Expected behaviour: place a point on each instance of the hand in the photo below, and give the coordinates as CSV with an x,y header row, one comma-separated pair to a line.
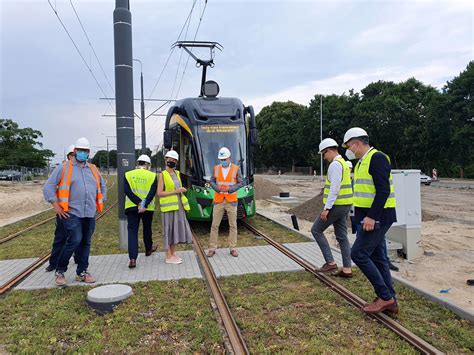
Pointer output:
x,y
141,209
223,189
59,211
368,224
324,215
180,190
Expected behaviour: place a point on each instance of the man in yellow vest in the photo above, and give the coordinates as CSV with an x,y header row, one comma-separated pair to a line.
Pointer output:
x,y
227,179
140,189
337,199
374,202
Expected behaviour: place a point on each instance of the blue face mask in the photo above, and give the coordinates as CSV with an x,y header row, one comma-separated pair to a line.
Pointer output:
x,y
225,163
82,156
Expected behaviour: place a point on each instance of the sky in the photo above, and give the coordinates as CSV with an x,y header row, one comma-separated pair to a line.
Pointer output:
x,y
273,51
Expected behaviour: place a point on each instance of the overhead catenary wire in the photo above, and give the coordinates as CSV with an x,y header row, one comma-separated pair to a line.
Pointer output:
x,y
78,51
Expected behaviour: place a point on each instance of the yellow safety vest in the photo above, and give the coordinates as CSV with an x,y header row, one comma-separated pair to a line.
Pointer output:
x,y
170,203
364,188
344,197
140,181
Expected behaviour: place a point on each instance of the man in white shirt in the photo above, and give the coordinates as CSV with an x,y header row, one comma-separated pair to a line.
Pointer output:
x,y
337,199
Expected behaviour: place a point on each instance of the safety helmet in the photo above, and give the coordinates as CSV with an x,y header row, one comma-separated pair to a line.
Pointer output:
x,y
349,164
70,149
354,132
172,154
327,143
224,153
82,143
144,158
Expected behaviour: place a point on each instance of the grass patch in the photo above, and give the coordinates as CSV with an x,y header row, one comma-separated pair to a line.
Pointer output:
x,y
306,315
172,316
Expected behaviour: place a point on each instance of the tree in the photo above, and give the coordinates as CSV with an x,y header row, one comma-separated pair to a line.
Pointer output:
x,y
277,125
21,146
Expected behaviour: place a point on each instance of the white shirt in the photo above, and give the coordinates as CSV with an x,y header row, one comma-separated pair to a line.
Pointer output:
x,y
225,171
335,178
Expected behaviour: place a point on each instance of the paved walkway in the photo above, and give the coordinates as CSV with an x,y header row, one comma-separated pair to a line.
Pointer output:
x,y
114,268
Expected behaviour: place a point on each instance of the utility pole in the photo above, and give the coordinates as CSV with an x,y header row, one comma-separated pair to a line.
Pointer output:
x,y
321,130
122,18
108,157
142,106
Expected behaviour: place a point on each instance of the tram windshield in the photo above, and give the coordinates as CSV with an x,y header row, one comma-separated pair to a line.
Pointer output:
x,y
214,137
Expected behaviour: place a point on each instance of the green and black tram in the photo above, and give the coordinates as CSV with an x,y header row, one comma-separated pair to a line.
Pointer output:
x,y
197,128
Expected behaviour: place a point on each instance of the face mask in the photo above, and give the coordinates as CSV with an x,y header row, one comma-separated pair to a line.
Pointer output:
x,y
350,154
171,164
225,163
82,156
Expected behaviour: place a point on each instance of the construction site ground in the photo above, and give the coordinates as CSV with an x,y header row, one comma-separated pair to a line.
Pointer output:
x,y
447,228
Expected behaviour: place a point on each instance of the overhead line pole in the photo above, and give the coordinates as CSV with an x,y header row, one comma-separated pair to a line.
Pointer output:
x,y
321,129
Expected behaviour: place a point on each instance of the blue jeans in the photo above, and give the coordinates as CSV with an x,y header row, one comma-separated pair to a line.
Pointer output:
x,y
79,235
369,253
59,241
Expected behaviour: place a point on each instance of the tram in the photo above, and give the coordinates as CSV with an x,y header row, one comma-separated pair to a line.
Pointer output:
x,y
197,128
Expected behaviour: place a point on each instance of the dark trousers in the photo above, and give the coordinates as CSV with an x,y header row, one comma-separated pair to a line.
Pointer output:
x,y
133,221
59,242
79,235
369,252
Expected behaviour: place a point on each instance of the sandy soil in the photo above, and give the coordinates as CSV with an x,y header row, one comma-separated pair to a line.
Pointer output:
x,y
20,200
447,237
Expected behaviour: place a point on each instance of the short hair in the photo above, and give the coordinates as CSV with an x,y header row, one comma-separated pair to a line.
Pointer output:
x,y
363,139
140,162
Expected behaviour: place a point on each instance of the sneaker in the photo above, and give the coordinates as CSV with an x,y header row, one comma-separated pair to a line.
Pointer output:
x,y
173,260
211,253
85,277
234,253
132,263
49,268
60,278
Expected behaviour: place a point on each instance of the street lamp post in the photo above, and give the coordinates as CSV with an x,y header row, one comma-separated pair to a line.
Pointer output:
x,y
142,107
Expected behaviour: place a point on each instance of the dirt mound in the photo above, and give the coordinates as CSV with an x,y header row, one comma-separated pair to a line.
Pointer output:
x,y
265,188
310,209
425,216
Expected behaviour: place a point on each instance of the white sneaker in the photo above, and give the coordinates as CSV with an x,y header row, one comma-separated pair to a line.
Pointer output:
x,y
175,261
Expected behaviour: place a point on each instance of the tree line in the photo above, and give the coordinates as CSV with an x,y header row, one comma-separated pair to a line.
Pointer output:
x,y
417,125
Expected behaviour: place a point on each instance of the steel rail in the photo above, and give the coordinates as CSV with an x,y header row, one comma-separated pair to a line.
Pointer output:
x,y
236,340
29,269
413,339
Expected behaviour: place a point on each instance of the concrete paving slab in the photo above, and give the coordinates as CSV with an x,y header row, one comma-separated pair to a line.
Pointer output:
x,y
11,268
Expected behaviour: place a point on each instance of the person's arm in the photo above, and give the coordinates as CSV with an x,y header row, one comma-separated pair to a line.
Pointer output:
x,y
161,188
380,170
213,183
49,191
335,177
239,184
151,193
128,191
103,188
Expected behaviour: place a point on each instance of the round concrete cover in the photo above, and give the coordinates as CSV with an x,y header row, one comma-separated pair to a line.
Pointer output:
x,y
109,293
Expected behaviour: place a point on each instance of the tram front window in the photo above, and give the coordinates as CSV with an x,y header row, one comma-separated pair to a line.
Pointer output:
x,y
214,137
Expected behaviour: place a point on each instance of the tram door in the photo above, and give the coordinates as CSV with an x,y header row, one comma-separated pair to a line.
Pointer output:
x,y
186,161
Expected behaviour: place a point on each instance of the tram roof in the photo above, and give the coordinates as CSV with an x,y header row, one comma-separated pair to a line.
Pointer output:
x,y
208,108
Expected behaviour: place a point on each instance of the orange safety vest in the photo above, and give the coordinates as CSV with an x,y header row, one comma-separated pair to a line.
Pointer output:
x,y
231,179
62,191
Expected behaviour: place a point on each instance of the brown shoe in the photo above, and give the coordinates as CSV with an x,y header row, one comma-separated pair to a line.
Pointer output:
x,y
211,253
234,253
345,275
379,305
326,267
132,263
392,310
151,251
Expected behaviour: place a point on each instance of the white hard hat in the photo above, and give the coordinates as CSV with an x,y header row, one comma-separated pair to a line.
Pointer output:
x,y
349,164
172,154
224,153
144,158
82,143
354,132
70,149
326,143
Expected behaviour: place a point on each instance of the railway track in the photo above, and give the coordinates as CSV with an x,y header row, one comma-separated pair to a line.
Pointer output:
x,y
411,338
40,261
236,341
33,226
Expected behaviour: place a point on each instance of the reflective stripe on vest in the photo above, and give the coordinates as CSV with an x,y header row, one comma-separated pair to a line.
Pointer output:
x,y
364,188
344,196
64,186
140,181
229,180
171,202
